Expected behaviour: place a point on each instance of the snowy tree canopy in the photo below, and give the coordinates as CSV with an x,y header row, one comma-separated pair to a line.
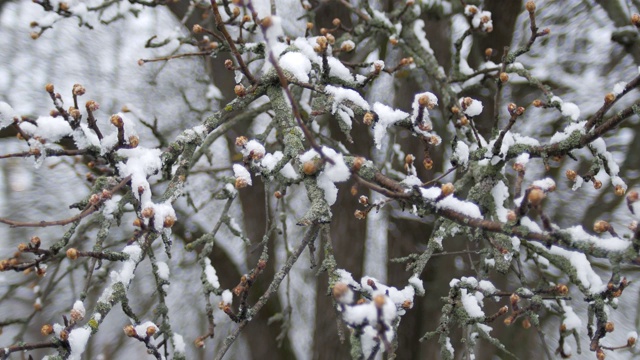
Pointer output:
x,y
312,179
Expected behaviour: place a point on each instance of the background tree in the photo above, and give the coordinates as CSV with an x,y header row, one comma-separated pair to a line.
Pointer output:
x,y
246,180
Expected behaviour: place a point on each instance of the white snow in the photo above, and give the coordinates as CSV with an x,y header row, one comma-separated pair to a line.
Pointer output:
x,y
210,273
163,270
240,172
386,117
474,109
141,329
79,307
7,114
297,64
227,297
78,339
178,343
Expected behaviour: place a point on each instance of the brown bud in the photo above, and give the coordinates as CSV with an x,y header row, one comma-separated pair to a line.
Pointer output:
x,y
537,103
368,118
94,199
447,189
78,90
49,88
511,216
134,141
601,226
631,341
393,41
137,222
141,62
64,335
148,212
197,29
571,175
563,327
609,98
151,330
379,301
72,253
309,168
360,215
427,163
508,321
608,327
117,121
199,342
34,35
530,6
562,289
46,330
363,200
35,241
22,247
76,315
346,47
322,41
597,184
520,111
246,18
266,22
526,323
633,196
240,90
600,354
228,64
336,22
236,11
130,331
240,183
619,190
504,77
536,196
169,221
511,108
278,194
514,298
488,52
635,20
464,121
339,289
331,39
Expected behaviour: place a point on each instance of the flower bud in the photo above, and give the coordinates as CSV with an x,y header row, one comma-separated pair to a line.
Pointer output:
x,y
609,327
619,190
151,330
148,212
78,90
571,175
601,226
635,20
609,98
72,253
240,90
368,118
309,168
535,196
46,330
530,6
117,121
169,221
130,331
49,88
447,189
197,29
504,77
35,241
360,215
379,301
